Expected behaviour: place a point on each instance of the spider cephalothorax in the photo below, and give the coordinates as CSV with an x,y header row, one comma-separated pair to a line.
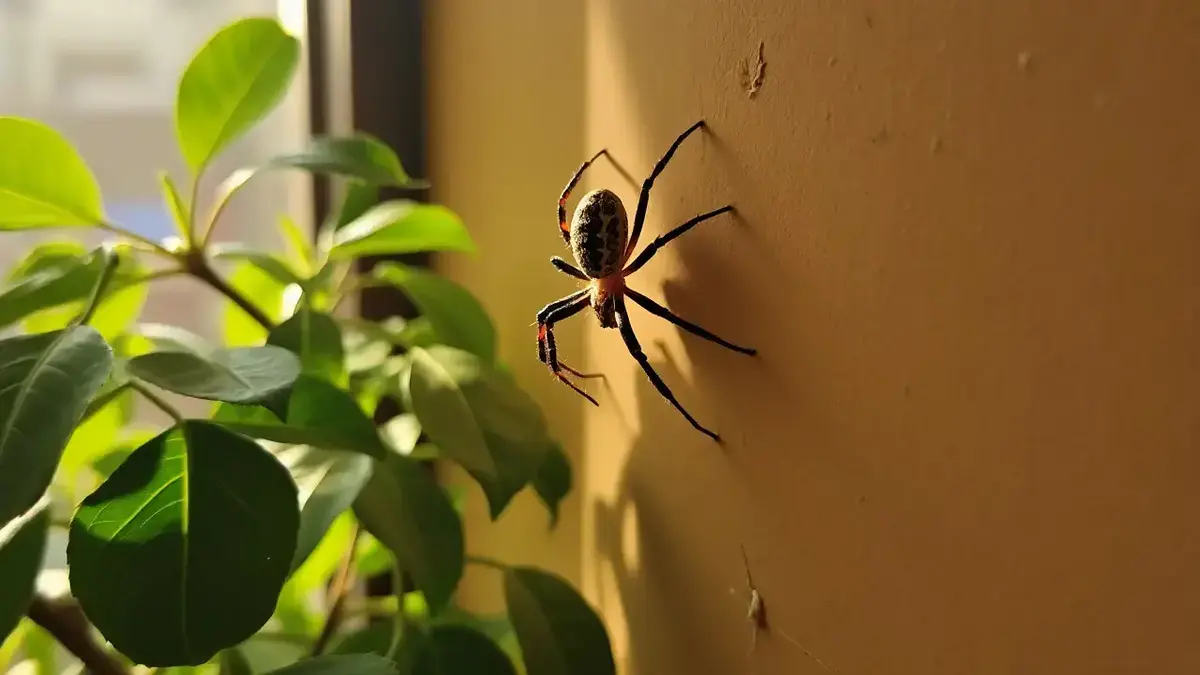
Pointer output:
x,y
602,243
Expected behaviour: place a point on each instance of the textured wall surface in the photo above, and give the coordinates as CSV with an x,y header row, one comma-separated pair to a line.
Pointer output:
x,y
967,249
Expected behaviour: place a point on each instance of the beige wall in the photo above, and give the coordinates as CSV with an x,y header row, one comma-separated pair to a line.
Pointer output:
x,y
968,253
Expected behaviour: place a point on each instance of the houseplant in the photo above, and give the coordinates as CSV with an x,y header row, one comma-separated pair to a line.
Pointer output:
x,y
193,544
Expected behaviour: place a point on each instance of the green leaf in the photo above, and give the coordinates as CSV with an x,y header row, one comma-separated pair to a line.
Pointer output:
x,y
238,375
317,340
559,632
298,242
376,638
317,414
175,204
22,545
167,338
43,180
455,314
46,383
266,292
98,433
444,411
328,483
340,664
553,480
459,650
196,529
53,274
406,510
360,156
234,662
232,83
269,263
401,226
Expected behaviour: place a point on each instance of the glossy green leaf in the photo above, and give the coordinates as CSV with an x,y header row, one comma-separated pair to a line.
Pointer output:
x,y
360,156
232,83
317,414
437,399
401,226
266,292
559,632
46,383
238,375
408,512
22,545
175,204
553,480
196,529
340,664
453,311
299,244
459,650
328,483
43,180
163,337
317,340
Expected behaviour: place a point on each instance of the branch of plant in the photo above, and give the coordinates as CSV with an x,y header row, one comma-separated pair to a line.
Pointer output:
x,y
197,265
66,622
336,597
111,260
158,401
144,241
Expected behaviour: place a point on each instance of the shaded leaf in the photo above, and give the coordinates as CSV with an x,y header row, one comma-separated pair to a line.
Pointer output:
x,y
196,529
559,632
455,314
376,638
406,510
43,180
317,414
238,375
317,340
328,483
552,482
268,262
46,383
238,76
401,226
438,401
22,545
53,274
340,664
459,650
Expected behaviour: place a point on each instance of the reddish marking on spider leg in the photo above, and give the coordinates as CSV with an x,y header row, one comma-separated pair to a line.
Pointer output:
x,y
542,332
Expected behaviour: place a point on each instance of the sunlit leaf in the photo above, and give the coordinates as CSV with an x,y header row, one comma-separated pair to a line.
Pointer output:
x,y
409,513
46,383
328,483
22,544
238,375
455,314
559,632
444,411
360,156
401,226
279,269
266,292
196,529
232,82
175,204
43,180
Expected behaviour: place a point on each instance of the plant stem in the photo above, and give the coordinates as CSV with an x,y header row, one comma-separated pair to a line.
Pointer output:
x,y
337,595
157,400
197,266
399,618
111,260
487,562
154,245
66,622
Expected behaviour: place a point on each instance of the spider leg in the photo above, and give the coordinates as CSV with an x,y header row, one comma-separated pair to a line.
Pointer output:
x,y
566,194
662,240
568,269
547,349
635,349
664,313
644,199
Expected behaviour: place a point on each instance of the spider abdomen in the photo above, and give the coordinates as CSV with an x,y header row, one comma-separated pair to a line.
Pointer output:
x,y
599,232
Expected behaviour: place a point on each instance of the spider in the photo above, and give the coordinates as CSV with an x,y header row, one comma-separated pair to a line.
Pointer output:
x,y
599,238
